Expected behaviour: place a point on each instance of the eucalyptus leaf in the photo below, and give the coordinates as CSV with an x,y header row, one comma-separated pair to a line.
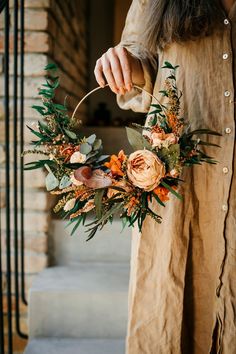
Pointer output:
x,y
51,182
43,126
85,148
70,134
135,139
65,182
91,139
97,144
102,158
92,154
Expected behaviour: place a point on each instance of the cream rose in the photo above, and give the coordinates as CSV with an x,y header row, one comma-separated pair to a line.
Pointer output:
x,y
77,157
160,140
145,169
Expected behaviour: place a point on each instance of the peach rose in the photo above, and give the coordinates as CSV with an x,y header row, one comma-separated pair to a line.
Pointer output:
x,y
145,169
160,140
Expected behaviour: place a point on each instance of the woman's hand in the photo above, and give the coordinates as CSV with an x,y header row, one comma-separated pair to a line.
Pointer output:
x,y
120,69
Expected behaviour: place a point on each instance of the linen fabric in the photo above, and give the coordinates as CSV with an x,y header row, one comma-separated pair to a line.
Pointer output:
x,y
183,272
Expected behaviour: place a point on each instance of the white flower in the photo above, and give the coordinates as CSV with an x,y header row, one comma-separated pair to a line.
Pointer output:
x,y
77,157
74,181
70,204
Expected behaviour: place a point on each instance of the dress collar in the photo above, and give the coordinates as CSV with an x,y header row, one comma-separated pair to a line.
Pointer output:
x,y
232,11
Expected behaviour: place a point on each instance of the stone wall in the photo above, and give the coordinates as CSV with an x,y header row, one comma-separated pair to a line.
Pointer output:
x,y
54,31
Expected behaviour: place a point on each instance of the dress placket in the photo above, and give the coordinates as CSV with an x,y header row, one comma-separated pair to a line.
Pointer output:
x,y
227,171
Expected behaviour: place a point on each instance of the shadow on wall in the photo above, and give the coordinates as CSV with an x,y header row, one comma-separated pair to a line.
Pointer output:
x,y
106,22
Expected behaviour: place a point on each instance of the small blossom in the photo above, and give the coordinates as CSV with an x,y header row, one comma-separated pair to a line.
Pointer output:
x,y
160,140
77,157
70,204
174,173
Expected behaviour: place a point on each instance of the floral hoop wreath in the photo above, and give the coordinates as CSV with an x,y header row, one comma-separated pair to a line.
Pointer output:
x,y
88,182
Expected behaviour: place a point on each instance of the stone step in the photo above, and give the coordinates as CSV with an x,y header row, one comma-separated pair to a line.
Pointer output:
x,y
108,245
84,301
75,346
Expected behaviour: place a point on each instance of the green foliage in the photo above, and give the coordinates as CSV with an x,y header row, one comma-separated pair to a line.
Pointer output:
x,y
168,65
98,202
167,186
135,138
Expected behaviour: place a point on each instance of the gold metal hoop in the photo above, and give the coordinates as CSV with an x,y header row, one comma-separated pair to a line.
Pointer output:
x,y
99,87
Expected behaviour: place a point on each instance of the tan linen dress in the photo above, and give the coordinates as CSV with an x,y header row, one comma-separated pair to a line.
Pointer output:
x,y
183,271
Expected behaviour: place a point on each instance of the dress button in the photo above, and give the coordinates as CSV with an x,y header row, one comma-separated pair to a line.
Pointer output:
x,y
226,21
225,170
225,56
227,93
228,130
224,207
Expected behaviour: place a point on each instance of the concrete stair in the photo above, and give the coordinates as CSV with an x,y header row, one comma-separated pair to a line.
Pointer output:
x,y
75,346
111,244
80,304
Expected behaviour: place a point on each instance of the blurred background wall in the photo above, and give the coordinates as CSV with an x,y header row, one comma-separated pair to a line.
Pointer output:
x,y
73,34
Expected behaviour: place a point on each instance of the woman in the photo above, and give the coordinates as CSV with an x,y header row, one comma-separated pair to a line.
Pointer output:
x,y
183,284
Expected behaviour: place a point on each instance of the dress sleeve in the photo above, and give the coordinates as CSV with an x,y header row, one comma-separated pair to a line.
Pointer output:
x,y
135,99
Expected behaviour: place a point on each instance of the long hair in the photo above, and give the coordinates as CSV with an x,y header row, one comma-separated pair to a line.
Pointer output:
x,y
166,21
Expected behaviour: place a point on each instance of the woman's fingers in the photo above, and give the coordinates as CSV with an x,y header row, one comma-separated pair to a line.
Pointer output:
x,y
107,72
116,69
126,67
98,72
114,66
